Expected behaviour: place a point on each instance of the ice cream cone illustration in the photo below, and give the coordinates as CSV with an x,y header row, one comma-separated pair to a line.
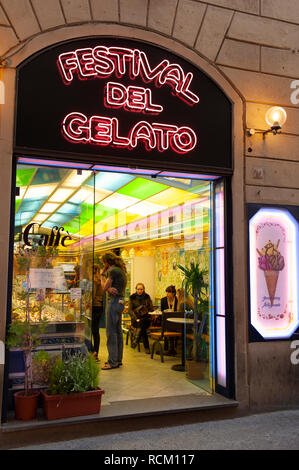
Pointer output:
x,y
271,262
271,278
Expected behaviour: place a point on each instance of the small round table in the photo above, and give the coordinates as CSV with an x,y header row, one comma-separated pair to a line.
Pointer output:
x,y
182,321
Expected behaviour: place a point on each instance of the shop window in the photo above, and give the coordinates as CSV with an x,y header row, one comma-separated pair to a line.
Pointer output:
x,y
66,219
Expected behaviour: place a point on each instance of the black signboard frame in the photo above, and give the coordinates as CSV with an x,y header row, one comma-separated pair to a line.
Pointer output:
x,y
43,101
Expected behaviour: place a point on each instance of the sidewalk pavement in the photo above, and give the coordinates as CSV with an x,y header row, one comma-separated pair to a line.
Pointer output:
x,y
266,431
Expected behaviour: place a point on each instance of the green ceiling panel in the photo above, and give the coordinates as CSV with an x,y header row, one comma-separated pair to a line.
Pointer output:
x,y
86,212
23,177
142,188
102,212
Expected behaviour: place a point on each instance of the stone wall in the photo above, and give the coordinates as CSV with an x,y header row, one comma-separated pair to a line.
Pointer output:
x,y
249,46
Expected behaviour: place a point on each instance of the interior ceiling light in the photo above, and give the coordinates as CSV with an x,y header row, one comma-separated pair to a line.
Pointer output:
x,y
61,195
145,208
81,195
39,191
40,217
275,118
119,201
74,180
49,207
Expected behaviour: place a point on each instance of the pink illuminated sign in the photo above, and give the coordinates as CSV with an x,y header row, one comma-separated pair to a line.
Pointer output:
x,y
102,62
274,273
101,130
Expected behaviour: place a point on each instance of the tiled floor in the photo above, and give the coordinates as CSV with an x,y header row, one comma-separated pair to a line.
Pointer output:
x,y
143,377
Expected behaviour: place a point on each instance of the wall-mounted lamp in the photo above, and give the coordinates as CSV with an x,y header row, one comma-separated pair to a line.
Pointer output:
x,y
275,118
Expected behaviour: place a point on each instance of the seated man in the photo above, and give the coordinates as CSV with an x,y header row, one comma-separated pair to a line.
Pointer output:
x,y
170,303
139,305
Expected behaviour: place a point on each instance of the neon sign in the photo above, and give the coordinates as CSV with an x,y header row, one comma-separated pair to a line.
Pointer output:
x,y
274,265
101,130
102,62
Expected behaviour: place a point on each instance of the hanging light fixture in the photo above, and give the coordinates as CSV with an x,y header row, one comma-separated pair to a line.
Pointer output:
x,y
275,118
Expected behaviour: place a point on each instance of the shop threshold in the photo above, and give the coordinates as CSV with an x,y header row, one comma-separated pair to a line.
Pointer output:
x,y
129,409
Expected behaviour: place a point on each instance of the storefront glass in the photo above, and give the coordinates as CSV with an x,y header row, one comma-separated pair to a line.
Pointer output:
x,y
66,219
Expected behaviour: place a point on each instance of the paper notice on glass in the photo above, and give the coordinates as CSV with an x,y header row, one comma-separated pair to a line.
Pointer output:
x,y
75,293
41,278
47,278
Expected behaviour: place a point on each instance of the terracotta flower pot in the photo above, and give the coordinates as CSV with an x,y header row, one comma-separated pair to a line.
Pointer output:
x,y
74,404
26,405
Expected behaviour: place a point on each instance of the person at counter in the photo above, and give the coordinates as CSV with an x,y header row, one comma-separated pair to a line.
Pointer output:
x,y
140,304
113,281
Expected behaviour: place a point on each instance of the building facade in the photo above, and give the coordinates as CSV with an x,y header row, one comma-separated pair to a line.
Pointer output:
x,y
249,48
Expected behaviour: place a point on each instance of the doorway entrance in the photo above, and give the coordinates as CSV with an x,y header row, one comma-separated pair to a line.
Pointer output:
x,y
167,227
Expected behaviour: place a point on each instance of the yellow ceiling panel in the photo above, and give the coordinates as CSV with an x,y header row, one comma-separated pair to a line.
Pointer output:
x,y
171,197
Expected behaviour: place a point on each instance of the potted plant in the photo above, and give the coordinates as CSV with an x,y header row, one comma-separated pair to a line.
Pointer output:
x,y
26,336
73,387
194,282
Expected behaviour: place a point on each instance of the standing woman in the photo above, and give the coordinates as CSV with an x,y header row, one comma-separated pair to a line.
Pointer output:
x,y
113,281
97,310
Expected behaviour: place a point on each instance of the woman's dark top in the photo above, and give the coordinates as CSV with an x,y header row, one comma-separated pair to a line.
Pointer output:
x,y
119,280
136,303
164,304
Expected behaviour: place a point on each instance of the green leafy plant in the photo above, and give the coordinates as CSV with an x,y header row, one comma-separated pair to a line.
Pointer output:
x,y
74,374
195,283
42,363
26,336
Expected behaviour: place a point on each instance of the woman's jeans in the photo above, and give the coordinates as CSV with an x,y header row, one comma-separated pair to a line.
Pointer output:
x,y
114,331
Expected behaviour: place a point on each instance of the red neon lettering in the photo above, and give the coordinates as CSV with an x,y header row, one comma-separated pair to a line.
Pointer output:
x,y
101,62
174,75
74,129
188,96
143,131
100,130
86,63
163,133
115,95
148,74
104,66
184,140
118,141
131,98
67,62
120,55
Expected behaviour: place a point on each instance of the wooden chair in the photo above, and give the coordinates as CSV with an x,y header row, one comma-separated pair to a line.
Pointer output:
x,y
167,331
